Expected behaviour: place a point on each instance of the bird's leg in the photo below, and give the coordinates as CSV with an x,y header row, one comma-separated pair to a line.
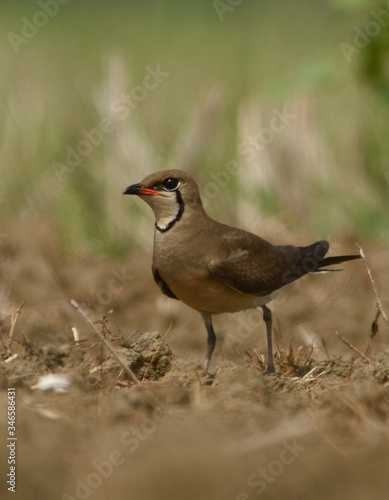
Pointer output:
x,y
211,340
268,320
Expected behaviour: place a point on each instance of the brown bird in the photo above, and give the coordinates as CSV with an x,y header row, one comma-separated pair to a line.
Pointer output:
x,y
215,268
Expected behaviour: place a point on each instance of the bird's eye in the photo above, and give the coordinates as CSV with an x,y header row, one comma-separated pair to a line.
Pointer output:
x,y
170,184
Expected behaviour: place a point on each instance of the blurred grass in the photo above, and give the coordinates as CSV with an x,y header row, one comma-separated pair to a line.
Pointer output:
x,y
327,170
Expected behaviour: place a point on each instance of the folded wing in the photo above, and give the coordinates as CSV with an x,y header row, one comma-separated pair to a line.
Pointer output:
x,y
256,267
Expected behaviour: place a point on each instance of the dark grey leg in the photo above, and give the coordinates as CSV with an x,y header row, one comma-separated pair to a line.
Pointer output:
x,y
268,320
211,340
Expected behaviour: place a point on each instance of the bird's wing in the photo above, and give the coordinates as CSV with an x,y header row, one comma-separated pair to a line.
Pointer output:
x,y
252,265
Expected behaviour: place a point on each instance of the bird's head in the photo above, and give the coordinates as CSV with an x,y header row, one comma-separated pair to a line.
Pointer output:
x,y
169,193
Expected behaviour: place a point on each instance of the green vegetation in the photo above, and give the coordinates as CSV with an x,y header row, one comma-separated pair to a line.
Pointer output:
x,y
199,88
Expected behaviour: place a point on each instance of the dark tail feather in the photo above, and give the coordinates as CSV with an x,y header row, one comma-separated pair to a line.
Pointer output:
x,y
312,260
329,261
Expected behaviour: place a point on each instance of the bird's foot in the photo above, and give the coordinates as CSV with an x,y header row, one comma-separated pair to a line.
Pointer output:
x,y
270,370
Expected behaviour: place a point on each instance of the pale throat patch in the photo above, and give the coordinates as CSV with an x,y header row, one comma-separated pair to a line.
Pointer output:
x,y
168,213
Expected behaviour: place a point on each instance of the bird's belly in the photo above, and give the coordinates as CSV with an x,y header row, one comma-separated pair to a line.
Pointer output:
x,y
213,297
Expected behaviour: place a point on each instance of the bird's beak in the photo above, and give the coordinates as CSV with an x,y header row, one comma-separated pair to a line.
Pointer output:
x,y
139,190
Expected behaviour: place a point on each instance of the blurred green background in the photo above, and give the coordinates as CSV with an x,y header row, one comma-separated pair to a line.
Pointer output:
x,y
279,109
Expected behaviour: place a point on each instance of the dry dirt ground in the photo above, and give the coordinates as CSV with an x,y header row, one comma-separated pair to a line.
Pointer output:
x,y
319,430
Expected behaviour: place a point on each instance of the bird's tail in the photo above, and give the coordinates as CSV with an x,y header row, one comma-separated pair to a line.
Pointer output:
x,y
312,260
329,261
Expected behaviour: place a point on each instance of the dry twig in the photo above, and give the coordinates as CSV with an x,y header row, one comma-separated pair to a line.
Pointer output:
x,y
378,300
374,325
349,344
126,368
13,323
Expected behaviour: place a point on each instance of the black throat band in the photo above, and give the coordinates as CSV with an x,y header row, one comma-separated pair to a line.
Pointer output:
x,y
181,208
